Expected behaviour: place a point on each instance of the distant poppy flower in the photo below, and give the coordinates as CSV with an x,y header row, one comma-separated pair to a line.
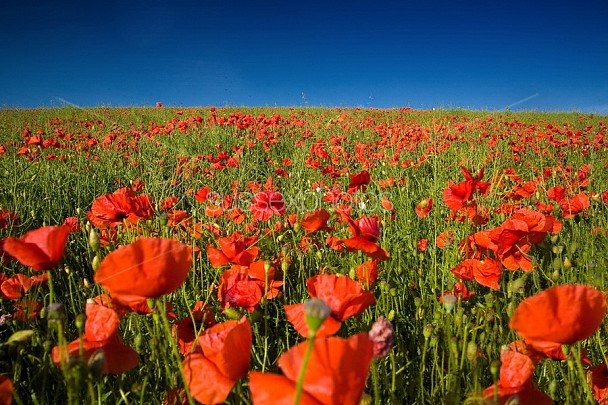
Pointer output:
x,y
185,330
344,296
367,273
112,209
336,373
359,181
8,218
486,271
73,223
315,221
6,390
444,238
266,204
220,360
100,333
15,287
422,245
159,104
460,291
516,372
556,193
202,194
148,267
424,207
597,377
236,249
574,205
27,310
563,314
40,249
457,196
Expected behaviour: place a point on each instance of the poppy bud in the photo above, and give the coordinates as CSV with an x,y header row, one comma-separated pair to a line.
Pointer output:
x,y
316,311
391,315
427,331
80,321
21,337
284,266
96,363
567,264
472,351
495,368
95,262
297,227
93,240
449,300
55,313
232,313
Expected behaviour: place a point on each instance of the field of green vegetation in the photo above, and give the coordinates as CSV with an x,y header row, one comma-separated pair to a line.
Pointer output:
x,y
302,255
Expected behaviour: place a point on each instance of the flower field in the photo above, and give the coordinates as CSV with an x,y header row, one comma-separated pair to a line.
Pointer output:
x,y
311,256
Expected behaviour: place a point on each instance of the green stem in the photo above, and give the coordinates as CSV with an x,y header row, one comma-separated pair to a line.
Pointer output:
x,y
375,382
300,384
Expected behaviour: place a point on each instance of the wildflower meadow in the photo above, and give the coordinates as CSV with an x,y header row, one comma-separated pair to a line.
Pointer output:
x,y
302,256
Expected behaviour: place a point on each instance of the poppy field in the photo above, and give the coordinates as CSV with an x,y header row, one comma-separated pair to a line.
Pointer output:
x,y
302,255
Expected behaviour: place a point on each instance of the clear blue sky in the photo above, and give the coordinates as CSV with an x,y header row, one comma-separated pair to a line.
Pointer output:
x,y
543,55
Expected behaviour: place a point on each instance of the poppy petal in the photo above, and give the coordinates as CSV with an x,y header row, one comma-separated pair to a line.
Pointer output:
x,y
206,382
148,267
563,314
267,388
297,318
337,369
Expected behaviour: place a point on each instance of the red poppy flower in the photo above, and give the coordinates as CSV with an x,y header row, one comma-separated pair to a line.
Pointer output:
x,y
367,272
315,221
336,373
359,181
457,196
27,310
148,267
236,249
40,249
556,193
15,287
516,371
185,330
460,291
598,379
424,207
222,358
574,205
445,238
512,240
8,218
344,296
6,390
563,314
112,209
486,272
100,333
266,204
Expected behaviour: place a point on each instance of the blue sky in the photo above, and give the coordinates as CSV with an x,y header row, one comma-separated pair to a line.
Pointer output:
x,y
478,54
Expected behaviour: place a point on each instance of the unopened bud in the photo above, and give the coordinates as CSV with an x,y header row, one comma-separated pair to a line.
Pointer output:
x,y
316,311
449,300
95,262
427,331
97,362
94,240
21,337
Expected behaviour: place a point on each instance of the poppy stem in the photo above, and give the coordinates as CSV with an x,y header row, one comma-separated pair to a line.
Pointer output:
x,y
375,382
300,384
